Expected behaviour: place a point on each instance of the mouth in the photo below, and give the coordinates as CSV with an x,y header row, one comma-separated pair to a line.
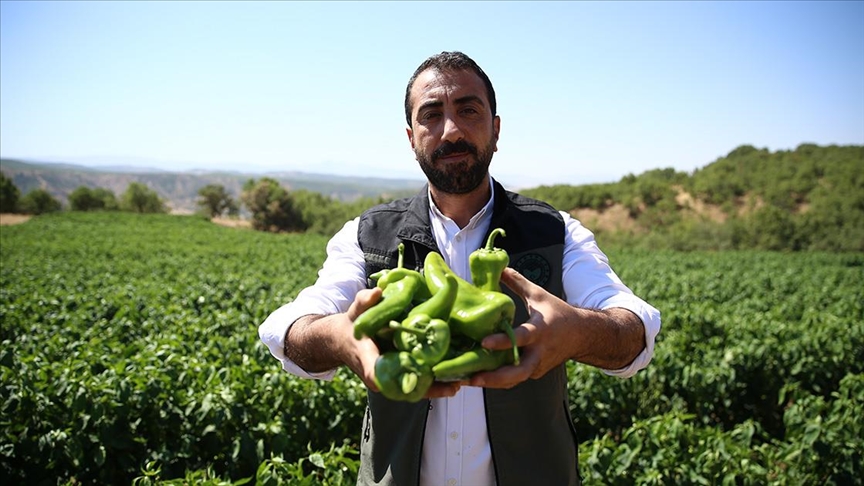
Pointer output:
x,y
453,156
454,151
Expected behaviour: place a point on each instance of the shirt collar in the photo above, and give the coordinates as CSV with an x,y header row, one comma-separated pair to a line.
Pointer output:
x,y
481,216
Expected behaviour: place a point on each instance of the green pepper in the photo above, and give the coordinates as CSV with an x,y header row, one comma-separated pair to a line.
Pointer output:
x,y
399,285
466,364
476,313
401,377
425,332
441,303
487,263
384,277
427,339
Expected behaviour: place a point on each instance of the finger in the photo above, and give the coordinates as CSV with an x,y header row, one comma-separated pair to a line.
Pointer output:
x,y
499,340
363,359
370,383
441,390
507,376
364,300
516,282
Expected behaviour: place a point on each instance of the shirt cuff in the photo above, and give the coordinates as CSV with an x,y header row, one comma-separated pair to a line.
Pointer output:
x,y
273,331
650,319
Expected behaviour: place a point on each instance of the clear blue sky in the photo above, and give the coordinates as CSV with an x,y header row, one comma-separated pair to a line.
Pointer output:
x,y
587,91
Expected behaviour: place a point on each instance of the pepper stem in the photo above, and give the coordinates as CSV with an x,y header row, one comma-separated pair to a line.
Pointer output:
x,y
409,382
490,242
400,327
508,329
401,259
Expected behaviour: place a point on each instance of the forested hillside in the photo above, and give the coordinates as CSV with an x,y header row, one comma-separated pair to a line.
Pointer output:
x,y
810,198
180,189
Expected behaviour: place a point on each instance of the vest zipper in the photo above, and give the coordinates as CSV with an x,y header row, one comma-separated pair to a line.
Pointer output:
x,y
489,435
422,440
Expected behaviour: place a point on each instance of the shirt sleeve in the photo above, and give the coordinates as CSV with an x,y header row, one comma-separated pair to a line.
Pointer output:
x,y
590,282
340,278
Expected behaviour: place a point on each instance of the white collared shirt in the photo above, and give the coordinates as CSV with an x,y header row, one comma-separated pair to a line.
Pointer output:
x,y
456,448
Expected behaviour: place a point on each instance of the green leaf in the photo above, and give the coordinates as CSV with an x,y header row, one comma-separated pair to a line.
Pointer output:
x,y
317,459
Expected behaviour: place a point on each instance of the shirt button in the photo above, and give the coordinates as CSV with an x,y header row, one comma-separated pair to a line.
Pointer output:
x,y
459,238
451,482
454,435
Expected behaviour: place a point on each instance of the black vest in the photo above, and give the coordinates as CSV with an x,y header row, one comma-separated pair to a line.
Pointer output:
x,y
530,429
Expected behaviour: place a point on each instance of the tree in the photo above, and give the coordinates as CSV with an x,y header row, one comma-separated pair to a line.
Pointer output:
x,y
39,201
109,200
9,195
139,198
215,201
271,206
85,199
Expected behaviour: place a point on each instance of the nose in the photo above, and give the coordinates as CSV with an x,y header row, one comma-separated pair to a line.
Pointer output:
x,y
452,130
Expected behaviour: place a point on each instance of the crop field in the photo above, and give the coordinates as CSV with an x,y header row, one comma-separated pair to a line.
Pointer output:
x,y
130,355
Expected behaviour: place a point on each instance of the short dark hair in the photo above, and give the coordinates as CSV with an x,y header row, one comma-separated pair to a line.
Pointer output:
x,y
449,61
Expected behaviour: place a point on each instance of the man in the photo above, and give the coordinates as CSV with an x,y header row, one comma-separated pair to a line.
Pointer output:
x,y
510,426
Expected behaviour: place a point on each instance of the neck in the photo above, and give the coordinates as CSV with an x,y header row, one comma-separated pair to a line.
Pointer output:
x,y
461,207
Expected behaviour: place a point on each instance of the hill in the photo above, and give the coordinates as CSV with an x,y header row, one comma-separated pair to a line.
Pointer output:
x,y
180,189
810,198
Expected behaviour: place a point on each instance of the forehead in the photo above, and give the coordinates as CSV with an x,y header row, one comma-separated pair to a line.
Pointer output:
x,y
433,85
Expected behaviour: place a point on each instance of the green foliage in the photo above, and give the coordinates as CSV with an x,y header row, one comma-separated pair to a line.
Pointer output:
x,y
9,195
85,199
130,354
337,466
138,198
325,216
215,201
822,445
565,197
39,201
311,212
811,198
272,207
132,338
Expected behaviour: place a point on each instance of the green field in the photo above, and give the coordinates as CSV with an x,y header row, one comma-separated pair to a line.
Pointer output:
x,y
130,355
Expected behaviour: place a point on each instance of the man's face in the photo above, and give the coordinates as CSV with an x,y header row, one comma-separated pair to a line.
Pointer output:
x,y
453,132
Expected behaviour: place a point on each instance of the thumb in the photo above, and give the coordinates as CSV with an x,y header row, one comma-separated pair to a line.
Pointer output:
x,y
364,300
516,282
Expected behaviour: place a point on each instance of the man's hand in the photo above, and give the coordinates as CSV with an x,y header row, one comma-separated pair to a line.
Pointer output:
x,y
365,352
361,354
556,332
540,350
320,343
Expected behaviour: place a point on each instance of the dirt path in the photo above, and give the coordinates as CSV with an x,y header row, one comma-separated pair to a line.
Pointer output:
x,y
233,222
7,218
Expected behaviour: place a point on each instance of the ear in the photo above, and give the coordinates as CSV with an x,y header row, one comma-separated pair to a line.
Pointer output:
x,y
410,134
496,129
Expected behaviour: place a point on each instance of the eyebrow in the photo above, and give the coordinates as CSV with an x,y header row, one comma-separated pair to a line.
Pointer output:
x,y
464,100
469,99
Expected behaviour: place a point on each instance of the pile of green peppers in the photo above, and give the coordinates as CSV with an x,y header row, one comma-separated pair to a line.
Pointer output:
x,y
429,325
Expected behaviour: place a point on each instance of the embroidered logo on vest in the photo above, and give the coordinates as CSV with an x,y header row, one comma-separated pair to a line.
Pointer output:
x,y
534,267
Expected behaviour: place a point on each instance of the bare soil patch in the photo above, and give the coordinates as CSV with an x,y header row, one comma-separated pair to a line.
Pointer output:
x,y
615,218
233,222
700,208
8,218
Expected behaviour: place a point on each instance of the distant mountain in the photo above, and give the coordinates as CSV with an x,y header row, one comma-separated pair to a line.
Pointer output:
x,y
180,188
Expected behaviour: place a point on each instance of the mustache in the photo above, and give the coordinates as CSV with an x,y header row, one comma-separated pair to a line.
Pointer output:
x,y
459,146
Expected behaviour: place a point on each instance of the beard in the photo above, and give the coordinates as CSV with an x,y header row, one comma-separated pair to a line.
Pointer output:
x,y
460,177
